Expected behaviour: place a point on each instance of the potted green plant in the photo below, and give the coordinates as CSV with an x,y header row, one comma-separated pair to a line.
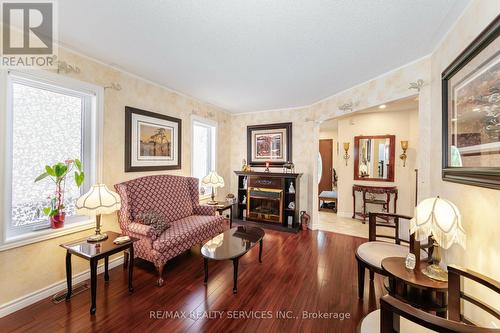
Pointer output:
x,y
58,173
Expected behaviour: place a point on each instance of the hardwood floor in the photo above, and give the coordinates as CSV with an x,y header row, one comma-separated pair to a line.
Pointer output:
x,y
309,271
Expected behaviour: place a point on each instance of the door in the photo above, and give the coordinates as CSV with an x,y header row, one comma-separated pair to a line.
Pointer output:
x,y
326,153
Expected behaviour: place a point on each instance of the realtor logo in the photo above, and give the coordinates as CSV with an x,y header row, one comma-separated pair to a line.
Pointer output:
x,y
28,33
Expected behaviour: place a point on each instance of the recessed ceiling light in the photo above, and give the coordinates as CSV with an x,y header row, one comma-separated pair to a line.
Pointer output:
x,y
383,106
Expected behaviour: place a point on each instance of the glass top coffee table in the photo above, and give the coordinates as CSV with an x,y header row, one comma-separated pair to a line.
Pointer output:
x,y
231,245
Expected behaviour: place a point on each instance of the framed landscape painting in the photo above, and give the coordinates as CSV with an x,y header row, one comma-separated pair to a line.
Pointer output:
x,y
271,143
471,113
152,141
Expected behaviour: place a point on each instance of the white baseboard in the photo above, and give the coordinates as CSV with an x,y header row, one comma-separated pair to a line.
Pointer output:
x,y
52,289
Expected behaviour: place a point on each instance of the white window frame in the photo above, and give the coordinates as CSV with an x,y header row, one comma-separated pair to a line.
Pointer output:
x,y
214,126
7,77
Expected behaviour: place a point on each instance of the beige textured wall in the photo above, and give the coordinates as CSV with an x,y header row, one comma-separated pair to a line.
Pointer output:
x,y
29,268
479,206
402,124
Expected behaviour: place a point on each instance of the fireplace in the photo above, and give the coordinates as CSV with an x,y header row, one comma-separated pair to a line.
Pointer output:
x,y
269,198
265,204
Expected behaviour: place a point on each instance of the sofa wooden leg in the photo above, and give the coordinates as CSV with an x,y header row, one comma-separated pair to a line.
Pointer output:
x,y
160,282
361,279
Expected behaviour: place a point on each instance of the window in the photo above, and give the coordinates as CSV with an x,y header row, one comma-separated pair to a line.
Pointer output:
x,y
48,121
203,152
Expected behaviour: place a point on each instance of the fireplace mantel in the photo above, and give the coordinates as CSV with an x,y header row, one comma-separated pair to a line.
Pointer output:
x,y
265,197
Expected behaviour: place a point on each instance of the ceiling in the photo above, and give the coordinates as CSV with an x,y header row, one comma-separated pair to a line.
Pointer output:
x,y
256,55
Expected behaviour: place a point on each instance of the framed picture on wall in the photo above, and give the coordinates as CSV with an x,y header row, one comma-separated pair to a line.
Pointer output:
x,y
471,113
270,143
152,141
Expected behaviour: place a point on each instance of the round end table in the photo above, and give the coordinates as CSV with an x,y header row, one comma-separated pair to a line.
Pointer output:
x,y
413,287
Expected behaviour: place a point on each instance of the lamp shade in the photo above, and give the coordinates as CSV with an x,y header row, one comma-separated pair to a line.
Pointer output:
x,y
439,218
98,200
213,180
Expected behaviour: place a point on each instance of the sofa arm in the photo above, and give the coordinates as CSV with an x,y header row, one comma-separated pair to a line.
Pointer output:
x,y
204,210
138,229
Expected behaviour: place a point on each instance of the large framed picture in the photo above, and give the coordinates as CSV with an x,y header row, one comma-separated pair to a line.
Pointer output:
x,y
471,113
152,141
271,143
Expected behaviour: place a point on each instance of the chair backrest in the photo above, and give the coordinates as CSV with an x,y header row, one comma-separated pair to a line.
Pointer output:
x,y
400,233
391,308
171,196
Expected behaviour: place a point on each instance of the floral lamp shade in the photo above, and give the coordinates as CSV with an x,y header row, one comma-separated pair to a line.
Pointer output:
x,y
98,200
442,219
213,180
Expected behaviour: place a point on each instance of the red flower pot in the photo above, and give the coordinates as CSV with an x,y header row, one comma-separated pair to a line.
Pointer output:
x,y
57,221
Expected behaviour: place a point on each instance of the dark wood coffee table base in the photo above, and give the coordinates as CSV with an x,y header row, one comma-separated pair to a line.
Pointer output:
x,y
235,268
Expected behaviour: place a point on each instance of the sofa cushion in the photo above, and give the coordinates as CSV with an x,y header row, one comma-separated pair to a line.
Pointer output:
x,y
188,231
169,195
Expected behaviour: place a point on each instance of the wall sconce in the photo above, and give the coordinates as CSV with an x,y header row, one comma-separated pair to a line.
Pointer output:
x,y
346,155
403,156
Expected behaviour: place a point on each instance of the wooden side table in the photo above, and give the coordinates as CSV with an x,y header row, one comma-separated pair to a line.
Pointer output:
x,y
222,206
93,252
414,288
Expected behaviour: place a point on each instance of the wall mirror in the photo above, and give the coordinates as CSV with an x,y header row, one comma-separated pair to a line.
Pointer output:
x,y
374,158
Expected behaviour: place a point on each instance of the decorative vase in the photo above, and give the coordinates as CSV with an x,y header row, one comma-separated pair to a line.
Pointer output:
x,y
57,221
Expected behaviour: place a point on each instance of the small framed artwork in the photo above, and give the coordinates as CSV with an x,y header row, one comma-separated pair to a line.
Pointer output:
x,y
271,143
471,113
152,141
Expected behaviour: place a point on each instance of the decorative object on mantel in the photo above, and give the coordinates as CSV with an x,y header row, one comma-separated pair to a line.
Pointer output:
x,y
417,85
291,189
245,167
58,173
245,181
213,180
97,201
471,113
346,107
291,205
441,219
267,167
114,85
244,201
288,167
270,143
152,141
403,156
346,155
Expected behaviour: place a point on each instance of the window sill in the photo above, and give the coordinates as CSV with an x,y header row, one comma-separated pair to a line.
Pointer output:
x,y
42,235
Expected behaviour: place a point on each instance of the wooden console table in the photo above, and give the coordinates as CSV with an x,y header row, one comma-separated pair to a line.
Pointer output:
x,y
385,203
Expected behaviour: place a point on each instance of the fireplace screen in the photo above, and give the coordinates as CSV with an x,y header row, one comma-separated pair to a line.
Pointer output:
x,y
265,204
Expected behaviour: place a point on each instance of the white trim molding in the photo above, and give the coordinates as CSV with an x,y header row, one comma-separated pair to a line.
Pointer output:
x,y
31,298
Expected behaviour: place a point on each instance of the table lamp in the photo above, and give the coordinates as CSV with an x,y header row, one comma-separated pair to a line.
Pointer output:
x,y
98,200
213,180
441,219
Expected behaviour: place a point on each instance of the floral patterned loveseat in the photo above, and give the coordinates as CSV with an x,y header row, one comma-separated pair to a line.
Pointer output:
x,y
176,199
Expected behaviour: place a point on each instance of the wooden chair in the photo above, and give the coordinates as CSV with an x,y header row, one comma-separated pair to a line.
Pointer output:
x,y
397,316
369,255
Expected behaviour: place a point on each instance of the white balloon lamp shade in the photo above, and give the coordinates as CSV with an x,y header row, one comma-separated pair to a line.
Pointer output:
x,y
98,200
441,219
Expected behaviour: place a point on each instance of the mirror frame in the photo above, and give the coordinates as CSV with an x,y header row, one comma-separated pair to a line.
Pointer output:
x,y
392,151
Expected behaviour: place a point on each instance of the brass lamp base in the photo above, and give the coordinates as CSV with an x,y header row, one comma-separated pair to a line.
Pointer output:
x,y
97,238
435,272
